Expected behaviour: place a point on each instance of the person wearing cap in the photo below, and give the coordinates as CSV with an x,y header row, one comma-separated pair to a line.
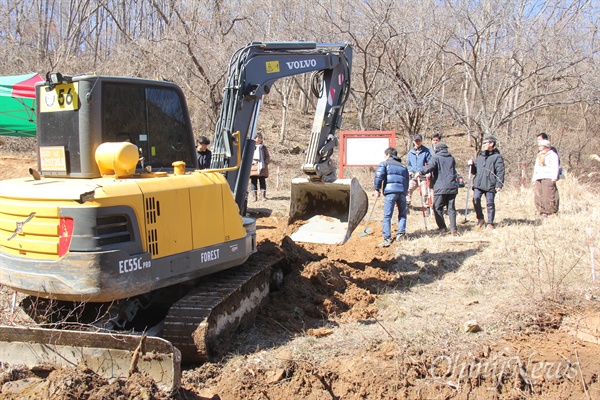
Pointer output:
x,y
488,171
445,186
545,175
418,157
203,153
391,176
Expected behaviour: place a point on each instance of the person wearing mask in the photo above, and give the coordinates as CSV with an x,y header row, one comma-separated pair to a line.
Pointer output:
x,y
260,168
445,186
391,177
204,155
488,172
545,175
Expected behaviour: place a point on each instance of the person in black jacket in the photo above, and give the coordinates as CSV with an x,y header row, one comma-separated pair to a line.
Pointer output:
x,y
392,177
203,153
488,169
445,185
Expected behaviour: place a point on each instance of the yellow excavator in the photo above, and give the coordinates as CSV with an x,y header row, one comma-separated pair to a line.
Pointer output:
x,y
130,256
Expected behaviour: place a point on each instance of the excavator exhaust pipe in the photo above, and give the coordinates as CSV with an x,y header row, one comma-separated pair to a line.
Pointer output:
x,y
326,213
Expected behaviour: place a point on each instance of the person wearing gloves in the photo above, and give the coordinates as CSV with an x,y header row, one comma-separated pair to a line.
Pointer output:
x,y
488,169
418,157
545,175
445,186
391,177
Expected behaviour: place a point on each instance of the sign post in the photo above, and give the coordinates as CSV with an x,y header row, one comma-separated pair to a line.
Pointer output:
x,y
364,148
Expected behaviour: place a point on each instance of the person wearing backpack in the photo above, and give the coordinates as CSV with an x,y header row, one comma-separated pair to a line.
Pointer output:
x,y
391,177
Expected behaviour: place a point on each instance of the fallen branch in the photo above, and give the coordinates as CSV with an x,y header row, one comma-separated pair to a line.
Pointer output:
x,y
585,389
133,367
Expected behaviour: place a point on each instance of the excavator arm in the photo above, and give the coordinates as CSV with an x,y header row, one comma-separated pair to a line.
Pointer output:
x,y
253,70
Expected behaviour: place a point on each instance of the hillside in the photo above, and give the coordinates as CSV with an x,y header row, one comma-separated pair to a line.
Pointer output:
x,y
357,321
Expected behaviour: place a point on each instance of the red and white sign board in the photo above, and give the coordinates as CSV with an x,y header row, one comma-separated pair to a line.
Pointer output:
x,y
364,148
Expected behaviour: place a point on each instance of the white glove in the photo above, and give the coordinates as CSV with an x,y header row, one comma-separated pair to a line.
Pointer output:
x,y
470,162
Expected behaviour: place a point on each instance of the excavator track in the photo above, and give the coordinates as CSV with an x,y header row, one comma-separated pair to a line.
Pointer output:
x,y
204,318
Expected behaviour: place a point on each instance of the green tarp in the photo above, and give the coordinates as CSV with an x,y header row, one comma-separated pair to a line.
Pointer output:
x,y
17,105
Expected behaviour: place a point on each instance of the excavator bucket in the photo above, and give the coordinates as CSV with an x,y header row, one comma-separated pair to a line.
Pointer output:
x,y
326,213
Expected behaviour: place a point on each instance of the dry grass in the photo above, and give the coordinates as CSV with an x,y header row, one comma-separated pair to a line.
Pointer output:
x,y
504,279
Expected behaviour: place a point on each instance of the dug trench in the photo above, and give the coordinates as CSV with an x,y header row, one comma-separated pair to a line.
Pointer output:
x,y
328,334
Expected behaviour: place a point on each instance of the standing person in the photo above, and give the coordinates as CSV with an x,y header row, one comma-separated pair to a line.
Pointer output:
x,y
435,139
392,177
418,157
544,136
204,155
545,175
488,170
445,186
260,168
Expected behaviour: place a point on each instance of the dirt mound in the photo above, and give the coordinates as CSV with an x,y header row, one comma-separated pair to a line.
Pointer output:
x,y
322,288
77,383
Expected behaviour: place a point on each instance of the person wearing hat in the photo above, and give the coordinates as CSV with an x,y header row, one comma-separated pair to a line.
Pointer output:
x,y
488,171
418,157
445,186
203,153
545,175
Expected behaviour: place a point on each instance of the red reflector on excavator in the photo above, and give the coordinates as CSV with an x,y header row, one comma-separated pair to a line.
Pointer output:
x,y
65,235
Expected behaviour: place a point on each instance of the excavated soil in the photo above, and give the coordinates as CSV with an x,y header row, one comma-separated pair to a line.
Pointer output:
x,y
335,330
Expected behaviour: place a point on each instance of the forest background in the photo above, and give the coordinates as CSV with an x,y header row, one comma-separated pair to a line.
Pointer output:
x,y
508,68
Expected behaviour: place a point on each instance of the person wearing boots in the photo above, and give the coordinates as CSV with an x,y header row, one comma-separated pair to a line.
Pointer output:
x,y
442,168
260,168
488,171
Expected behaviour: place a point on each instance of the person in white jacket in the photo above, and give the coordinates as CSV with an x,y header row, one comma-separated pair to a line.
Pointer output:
x,y
545,175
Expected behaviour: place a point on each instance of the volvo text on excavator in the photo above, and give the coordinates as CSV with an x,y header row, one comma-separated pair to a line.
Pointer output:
x,y
118,234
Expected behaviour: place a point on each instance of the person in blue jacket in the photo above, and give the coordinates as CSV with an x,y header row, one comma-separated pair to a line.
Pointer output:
x,y
391,177
418,157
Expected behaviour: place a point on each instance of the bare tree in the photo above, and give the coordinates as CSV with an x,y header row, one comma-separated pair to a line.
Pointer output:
x,y
516,59
415,65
